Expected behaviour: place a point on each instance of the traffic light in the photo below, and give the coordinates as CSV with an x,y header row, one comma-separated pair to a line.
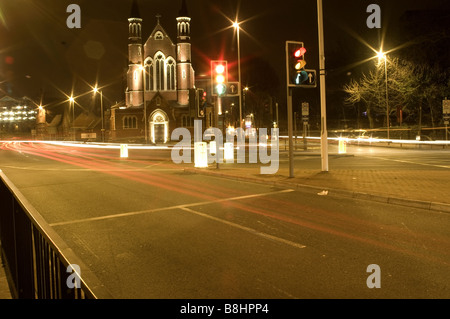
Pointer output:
x,y
295,60
201,102
219,77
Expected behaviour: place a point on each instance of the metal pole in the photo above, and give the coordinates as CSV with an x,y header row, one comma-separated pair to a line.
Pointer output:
x,y
276,105
291,144
289,111
145,105
323,108
304,136
103,116
239,71
73,120
387,102
295,130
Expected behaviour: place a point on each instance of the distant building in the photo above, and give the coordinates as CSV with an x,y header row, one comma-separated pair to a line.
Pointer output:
x,y
159,79
17,115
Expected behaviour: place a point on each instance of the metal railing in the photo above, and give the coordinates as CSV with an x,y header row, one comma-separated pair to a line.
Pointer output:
x,y
38,263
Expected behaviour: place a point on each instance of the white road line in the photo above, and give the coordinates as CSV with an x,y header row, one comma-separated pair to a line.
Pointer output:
x,y
169,208
247,229
409,162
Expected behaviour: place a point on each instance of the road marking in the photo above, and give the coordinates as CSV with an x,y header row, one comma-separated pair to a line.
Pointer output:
x,y
247,229
409,162
83,220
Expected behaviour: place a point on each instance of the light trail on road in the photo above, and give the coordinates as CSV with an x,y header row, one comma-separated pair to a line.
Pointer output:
x,y
328,222
72,156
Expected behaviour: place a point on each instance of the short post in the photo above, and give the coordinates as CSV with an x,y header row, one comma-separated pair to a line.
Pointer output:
x,y
123,150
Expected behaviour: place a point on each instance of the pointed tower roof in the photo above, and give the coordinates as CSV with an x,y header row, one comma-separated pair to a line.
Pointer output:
x,y
135,10
183,11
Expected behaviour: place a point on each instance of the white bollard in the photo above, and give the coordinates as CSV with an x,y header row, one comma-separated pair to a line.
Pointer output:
x,y
123,150
342,146
212,147
228,153
200,154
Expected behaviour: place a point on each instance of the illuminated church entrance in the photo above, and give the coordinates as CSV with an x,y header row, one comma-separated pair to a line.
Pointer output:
x,y
159,127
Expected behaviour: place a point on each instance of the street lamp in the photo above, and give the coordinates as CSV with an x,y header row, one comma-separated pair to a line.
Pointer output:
x,y
381,55
101,111
71,102
236,26
144,75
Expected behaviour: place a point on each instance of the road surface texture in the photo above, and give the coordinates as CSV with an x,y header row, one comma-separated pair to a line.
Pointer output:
x,y
149,228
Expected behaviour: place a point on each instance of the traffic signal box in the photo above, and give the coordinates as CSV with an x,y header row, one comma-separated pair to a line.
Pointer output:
x,y
201,102
197,102
219,77
297,75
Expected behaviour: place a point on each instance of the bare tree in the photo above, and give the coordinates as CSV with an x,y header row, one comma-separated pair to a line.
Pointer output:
x,y
410,88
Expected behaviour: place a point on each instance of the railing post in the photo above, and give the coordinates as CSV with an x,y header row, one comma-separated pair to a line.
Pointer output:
x,y
24,258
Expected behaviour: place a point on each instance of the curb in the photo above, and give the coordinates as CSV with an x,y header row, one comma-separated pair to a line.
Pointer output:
x,y
432,206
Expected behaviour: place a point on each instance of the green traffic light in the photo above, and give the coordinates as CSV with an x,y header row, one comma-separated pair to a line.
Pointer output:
x,y
220,89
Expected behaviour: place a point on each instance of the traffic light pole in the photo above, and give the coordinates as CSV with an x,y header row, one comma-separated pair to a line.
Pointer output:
x,y
291,144
323,108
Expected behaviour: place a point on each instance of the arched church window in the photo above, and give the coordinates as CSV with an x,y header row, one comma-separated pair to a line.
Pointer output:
x,y
159,35
159,72
130,122
170,73
148,74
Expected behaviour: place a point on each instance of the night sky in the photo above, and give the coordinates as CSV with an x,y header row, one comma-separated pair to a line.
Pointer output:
x,y
41,56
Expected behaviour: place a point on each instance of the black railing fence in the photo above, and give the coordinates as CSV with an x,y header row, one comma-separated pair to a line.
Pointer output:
x,y
38,263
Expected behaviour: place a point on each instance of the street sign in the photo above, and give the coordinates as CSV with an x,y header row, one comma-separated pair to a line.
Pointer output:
x,y
311,81
446,107
305,111
233,88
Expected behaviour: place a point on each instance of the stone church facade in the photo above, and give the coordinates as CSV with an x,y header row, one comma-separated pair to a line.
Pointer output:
x,y
159,79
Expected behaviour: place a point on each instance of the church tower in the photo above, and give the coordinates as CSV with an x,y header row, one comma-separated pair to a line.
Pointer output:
x,y
185,72
134,92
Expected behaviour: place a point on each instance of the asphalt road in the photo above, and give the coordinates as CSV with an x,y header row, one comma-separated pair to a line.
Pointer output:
x,y
150,230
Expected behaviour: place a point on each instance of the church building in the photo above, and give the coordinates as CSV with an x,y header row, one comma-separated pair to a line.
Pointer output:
x,y
159,80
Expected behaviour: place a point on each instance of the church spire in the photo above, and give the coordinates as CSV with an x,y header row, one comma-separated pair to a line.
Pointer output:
x,y
183,11
135,10
183,23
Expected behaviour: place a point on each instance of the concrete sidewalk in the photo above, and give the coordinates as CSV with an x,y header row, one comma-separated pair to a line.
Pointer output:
x,y
424,188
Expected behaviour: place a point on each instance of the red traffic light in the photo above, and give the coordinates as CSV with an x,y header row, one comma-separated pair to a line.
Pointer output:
x,y
299,52
220,68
